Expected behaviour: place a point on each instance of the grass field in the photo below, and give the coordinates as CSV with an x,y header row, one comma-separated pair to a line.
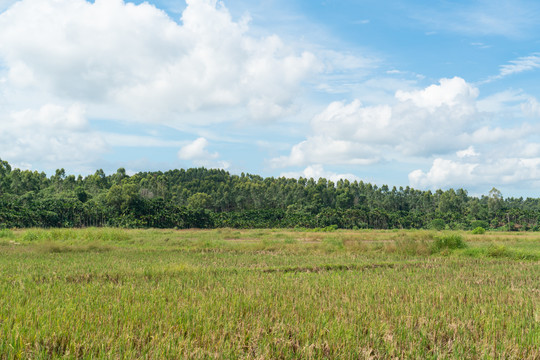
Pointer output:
x,y
268,294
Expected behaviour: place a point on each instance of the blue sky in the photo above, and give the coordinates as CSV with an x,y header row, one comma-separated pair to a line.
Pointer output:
x,y
428,94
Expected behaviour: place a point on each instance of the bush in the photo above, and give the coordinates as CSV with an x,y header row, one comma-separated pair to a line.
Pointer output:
x,y
479,231
450,242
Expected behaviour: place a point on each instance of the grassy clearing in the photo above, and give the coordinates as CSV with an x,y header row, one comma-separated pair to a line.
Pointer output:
x,y
109,293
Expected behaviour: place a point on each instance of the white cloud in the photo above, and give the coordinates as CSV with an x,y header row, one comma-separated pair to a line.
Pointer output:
x,y
450,92
317,171
443,119
509,18
328,151
50,136
418,123
503,102
115,139
498,135
531,107
480,173
135,57
197,152
468,152
443,173
521,64
480,45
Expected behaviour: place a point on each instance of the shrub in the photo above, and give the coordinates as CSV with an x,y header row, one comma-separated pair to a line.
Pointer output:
x,y
330,228
450,241
479,231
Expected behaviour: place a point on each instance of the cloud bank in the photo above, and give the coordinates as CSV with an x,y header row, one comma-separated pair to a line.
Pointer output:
x,y
440,121
135,57
133,63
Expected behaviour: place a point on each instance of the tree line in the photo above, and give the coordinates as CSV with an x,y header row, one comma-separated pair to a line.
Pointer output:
x,y
210,198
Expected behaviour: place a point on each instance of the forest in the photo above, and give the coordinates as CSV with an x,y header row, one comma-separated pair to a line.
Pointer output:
x,y
212,198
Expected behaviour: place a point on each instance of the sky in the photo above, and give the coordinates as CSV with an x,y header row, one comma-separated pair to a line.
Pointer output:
x,y
427,94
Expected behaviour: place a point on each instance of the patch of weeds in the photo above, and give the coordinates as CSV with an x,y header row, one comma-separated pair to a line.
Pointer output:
x,y
6,234
54,247
231,235
32,235
520,255
498,251
259,233
501,251
355,245
409,246
448,241
478,231
333,243
290,240
270,242
108,234
473,252
211,244
95,247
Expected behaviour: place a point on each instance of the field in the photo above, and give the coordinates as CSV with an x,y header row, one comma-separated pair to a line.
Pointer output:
x,y
268,294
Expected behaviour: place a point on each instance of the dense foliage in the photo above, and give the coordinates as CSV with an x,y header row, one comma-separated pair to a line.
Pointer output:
x,y
207,198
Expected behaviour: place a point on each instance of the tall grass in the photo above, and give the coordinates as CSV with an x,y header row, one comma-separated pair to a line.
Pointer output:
x,y
448,242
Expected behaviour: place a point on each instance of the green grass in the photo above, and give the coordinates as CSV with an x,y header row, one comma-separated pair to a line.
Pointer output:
x,y
267,294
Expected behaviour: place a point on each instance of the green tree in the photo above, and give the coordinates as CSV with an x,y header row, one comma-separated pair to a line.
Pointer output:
x,y
199,201
495,201
5,181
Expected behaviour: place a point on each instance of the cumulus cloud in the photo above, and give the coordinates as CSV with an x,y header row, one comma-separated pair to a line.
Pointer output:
x,y
450,92
443,173
196,151
419,123
317,171
442,119
468,152
137,58
487,172
51,135
326,150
